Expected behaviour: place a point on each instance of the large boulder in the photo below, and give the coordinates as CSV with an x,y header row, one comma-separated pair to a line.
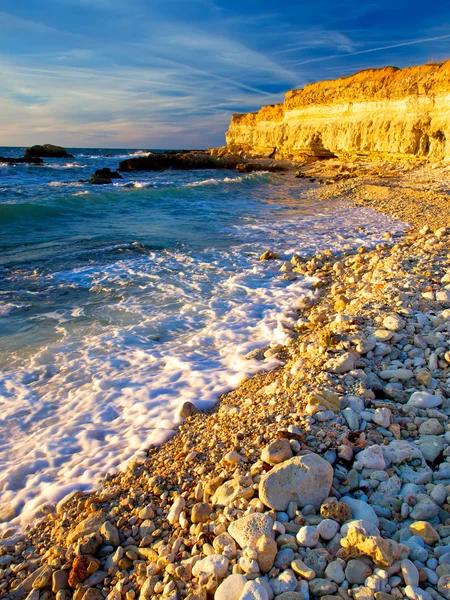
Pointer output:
x,y
47,151
303,479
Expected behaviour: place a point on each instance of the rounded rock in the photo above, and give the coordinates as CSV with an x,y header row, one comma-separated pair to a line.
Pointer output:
x,y
231,588
308,536
424,400
248,529
277,452
302,479
328,529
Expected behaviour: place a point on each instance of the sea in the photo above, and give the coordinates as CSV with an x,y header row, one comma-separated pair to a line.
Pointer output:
x,y
118,303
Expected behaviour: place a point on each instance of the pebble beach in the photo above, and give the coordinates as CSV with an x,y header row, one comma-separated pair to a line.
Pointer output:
x,y
327,476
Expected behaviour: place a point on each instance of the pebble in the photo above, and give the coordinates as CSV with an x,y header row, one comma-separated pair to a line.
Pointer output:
x,y
322,587
410,573
308,536
327,529
425,531
424,400
277,452
303,570
444,586
393,322
254,590
335,572
267,549
215,564
357,571
361,510
417,593
371,458
284,582
176,510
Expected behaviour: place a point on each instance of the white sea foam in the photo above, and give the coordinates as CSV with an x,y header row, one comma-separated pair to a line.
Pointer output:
x,y
213,181
170,327
64,183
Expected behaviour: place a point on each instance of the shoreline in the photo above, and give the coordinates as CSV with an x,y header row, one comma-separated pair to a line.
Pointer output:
x,y
226,441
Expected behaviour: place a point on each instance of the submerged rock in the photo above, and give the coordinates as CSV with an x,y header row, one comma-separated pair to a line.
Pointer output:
x,y
34,160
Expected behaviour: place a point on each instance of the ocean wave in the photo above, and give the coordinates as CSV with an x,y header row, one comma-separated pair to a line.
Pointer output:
x,y
10,213
210,181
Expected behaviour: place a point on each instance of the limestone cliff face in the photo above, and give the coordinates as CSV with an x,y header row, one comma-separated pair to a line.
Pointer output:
x,y
387,112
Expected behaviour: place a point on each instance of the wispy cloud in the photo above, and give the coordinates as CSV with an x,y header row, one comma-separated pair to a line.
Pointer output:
x,y
10,22
370,50
319,38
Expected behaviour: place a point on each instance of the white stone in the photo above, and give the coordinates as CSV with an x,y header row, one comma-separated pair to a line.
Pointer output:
x,y
254,590
341,364
443,296
382,417
394,322
328,529
285,582
231,588
364,527
302,479
176,509
308,536
335,572
417,593
215,564
410,572
424,400
361,511
372,458
248,529
400,374
398,451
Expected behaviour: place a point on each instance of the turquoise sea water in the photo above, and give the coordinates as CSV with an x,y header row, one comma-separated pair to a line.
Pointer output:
x,y
120,302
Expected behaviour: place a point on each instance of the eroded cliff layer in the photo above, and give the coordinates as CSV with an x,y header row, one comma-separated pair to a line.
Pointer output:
x,y
386,112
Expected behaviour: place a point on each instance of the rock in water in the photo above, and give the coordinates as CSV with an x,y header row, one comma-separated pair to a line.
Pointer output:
x,y
104,176
47,151
34,160
302,479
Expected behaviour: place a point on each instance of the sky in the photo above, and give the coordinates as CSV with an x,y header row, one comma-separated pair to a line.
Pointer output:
x,y
169,73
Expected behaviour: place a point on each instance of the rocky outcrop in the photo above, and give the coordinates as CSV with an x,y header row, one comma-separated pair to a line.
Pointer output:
x,y
186,160
47,151
387,112
34,160
182,160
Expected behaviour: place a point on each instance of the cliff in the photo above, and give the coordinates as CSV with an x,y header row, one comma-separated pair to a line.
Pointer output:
x,y
389,112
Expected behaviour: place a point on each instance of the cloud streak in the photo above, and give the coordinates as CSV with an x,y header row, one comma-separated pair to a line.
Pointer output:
x,y
370,50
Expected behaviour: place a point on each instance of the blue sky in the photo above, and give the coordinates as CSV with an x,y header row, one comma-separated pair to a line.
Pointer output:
x,y
168,74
